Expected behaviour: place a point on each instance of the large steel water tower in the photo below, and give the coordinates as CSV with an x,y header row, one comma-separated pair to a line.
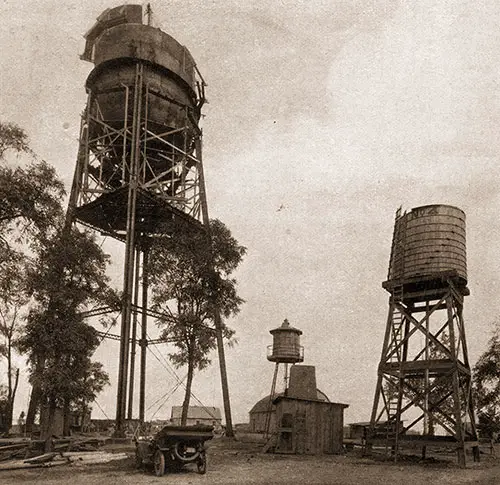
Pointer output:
x,y
424,377
139,172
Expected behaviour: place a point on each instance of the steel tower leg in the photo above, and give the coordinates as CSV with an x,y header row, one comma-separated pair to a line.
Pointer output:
x,y
223,375
375,417
144,335
217,317
129,258
456,386
133,339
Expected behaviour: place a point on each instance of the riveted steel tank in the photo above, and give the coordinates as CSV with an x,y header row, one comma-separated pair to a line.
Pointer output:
x,y
286,346
140,73
168,72
427,241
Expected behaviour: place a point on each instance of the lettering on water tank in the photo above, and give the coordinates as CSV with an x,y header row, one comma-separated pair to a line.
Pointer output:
x,y
422,212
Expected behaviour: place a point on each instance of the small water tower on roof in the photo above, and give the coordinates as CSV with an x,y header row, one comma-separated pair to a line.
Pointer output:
x,y
286,346
286,349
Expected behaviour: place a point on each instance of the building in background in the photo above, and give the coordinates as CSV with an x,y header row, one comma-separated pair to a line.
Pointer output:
x,y
198,415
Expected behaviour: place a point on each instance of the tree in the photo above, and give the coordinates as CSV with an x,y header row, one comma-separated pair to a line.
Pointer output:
x,y
68,275
191,281
13,301
486,382
31,196
30,208
92,381
66,272
31,200
13,137
4,408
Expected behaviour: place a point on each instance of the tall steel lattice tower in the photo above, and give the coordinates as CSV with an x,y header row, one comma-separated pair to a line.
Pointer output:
x,y
424,377
139,172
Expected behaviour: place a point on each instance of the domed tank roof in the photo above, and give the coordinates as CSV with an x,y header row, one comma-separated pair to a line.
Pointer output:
x,y
286,327
120,35
123,14
262,405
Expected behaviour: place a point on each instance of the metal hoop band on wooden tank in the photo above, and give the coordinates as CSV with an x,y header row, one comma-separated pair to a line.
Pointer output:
x,y
429,240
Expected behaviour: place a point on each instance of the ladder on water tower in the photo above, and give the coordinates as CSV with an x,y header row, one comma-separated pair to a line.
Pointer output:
x,y
395,353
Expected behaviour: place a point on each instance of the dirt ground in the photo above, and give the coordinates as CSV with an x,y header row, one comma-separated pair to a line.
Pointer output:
x,y
241,462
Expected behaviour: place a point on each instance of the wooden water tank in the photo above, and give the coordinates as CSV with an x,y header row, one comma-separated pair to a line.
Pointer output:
x,y
428,241
286,346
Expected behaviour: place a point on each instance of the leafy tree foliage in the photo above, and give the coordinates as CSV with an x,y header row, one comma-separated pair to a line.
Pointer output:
x,y
31,199
31,196
486,380
68,274
92,381
191,281
65,271
30,207
13,137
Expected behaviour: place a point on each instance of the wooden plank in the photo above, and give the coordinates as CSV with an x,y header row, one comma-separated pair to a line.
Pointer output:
x,y
420,309
41,458
418,367
18,446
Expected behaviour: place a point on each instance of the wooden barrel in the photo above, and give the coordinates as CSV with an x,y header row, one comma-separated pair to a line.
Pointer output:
x,y
427,241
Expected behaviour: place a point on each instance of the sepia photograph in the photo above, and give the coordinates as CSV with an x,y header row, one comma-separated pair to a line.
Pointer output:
x,y
249,242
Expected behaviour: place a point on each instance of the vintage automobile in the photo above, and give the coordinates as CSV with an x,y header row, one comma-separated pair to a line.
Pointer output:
x,y
173,447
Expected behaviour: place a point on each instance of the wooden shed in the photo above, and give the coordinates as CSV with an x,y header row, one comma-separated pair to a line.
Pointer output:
x,y
260,411
309,427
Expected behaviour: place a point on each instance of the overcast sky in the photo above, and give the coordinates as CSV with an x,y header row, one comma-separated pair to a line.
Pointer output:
x,y
323,118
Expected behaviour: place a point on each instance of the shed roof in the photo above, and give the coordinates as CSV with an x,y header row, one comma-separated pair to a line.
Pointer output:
x,y
263,405
287,398
197,412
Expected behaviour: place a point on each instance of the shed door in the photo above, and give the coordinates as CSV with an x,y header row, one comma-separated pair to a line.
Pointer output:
x,y
285,434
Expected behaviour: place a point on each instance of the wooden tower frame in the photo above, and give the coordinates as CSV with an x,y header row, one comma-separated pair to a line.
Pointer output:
x,y
424,374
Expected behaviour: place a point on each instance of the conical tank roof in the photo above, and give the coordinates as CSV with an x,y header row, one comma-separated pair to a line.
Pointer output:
x,y
286,327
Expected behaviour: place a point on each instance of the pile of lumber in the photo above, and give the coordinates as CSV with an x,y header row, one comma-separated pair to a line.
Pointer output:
x,y
26,453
